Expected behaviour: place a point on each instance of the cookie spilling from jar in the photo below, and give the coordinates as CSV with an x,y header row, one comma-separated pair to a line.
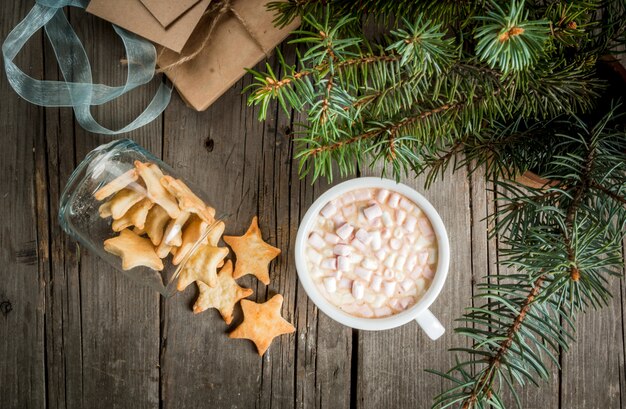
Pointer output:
x,y
372,252
157,216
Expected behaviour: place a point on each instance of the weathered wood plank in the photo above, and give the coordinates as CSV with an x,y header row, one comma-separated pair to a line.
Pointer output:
x,y
22,303
58,258
391,363
220,150
119,318
593,368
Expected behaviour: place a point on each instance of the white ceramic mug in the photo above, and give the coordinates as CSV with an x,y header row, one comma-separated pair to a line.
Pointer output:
x,y
418,312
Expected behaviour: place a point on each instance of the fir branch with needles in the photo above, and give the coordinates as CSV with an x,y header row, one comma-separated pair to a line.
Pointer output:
x,y
500,87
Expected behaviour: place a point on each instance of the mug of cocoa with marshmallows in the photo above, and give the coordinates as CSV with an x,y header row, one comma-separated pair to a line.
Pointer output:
x,y
373,254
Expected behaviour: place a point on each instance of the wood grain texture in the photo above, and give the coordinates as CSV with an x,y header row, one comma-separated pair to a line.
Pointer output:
x,y
119,319
81,335
22,301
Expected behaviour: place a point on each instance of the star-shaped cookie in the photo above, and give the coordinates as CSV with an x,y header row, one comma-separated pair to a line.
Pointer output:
x,y
253,254
151,176
134,250
202,266
262,323
223,296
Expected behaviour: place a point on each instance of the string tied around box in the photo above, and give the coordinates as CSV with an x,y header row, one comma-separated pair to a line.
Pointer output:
x,y
78,90
213,14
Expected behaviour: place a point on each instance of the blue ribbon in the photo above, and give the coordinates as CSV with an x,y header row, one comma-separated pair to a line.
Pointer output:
x,y
78,90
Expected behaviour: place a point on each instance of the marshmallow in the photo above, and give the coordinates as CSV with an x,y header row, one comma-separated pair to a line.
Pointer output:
x,y
428,272
382,311
358,244
358,290
390,261
336,275
393,201
362,194
376,223
389,275
389,287
370,264
343,263
365,311
379,300
425,227
410,223
422,243
432,256
342,250
387,220
399,276
420,284
381,254
382,195
316,241
363,236
386,233
349,210
406,250
398,233
329,210
356,258
400,261
345,283
338,219
411,262
344,231
417,273
407,284
376,241
394,304
400,216
376,282
373,212
329,264
314,256
422,258
330,284
395,244
405,302
331,238
363,273
348,198
406,204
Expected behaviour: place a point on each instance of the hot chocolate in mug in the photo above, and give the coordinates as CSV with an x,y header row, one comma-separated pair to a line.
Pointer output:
x,y
418,311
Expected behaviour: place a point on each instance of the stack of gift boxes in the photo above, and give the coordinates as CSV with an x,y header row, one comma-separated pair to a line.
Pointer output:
x,y
224,38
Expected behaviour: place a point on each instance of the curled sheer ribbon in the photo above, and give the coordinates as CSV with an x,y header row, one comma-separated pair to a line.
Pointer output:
x,y
78,90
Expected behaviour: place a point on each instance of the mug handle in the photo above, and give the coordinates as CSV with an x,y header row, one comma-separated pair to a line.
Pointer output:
x,y
430,324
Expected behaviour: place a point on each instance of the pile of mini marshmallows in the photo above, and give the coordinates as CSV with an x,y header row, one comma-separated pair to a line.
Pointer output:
x,y
373,251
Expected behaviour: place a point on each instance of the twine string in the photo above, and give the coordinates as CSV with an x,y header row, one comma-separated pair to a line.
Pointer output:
x,y
217,10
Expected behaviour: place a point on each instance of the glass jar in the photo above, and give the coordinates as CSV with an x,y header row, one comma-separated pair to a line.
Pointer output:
x,y
132,210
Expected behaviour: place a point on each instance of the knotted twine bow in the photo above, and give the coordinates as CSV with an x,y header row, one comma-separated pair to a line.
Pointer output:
x,y
213,14
78,89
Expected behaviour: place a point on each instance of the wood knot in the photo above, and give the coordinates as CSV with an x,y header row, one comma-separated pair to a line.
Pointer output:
x,y
6,307
512,32
209,144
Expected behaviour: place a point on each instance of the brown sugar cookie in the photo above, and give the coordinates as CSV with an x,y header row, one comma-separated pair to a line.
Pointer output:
x,y
155,224
223,296
120,203
202,266
116,184
187,200
156,192
253,254
262,323
135,216
134,251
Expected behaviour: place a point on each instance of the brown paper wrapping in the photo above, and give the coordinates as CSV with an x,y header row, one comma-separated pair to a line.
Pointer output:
x,y
230,49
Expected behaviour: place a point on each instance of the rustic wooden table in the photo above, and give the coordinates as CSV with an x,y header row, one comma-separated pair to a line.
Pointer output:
x,y
76,334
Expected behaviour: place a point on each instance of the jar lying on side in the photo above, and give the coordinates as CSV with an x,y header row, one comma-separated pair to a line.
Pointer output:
x,y
133,210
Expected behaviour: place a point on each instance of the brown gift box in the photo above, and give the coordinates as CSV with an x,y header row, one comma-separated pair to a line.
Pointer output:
x,y
230,49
